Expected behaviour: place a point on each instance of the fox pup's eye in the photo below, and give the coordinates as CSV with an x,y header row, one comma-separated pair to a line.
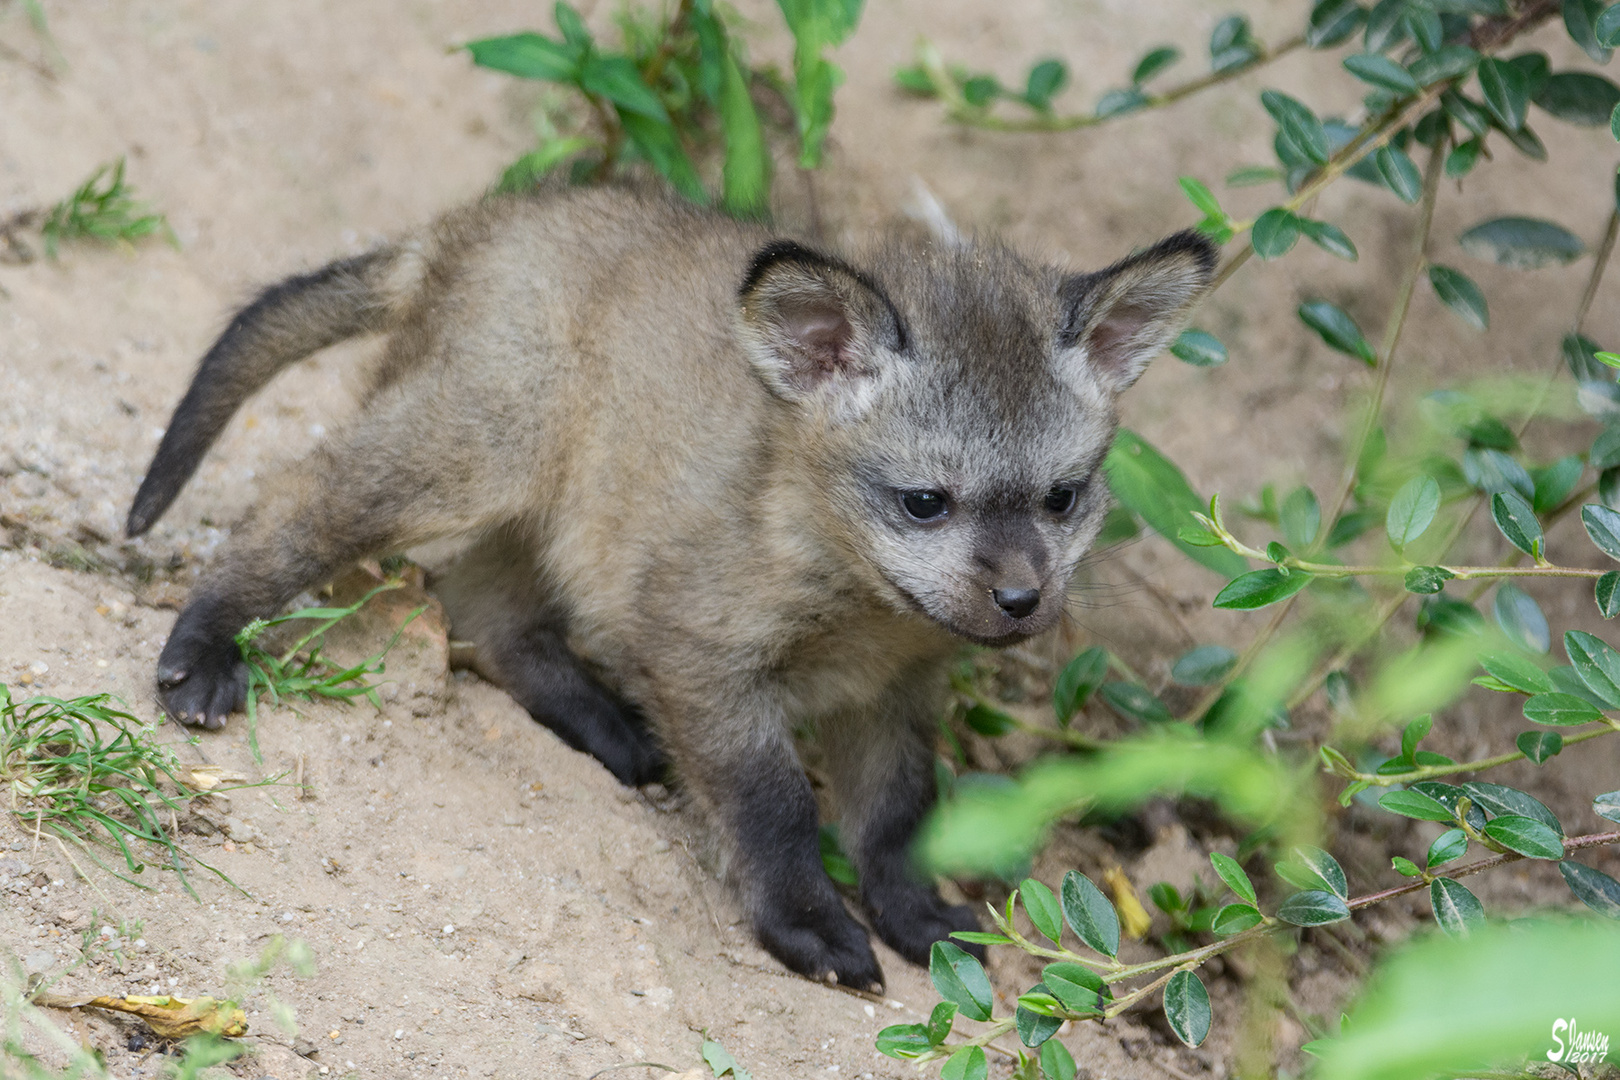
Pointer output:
x,y
1060,500
923,505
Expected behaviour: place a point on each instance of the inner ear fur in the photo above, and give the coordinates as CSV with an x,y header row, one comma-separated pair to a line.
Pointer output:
x,y
1122,317
812,322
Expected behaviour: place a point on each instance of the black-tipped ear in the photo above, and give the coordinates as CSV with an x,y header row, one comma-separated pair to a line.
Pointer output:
x,y
1124,316
812,323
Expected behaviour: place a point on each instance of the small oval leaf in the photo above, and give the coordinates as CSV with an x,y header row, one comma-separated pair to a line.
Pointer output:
x,y
1313,908
1412,510
1186,1006
1199,349
1522,243
1461,295
1259,588
1455,908
1337,329
1089,914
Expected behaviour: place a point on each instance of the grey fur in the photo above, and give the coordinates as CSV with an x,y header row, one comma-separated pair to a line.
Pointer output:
x,y
689,447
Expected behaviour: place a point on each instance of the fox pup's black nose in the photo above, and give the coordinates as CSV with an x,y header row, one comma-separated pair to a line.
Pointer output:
x,y
1016,602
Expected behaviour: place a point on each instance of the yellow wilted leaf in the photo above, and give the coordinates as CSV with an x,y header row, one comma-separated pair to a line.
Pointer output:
x,y
1133,917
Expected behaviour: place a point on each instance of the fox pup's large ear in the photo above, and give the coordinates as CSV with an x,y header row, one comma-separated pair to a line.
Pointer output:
x,y
1118,319
814,325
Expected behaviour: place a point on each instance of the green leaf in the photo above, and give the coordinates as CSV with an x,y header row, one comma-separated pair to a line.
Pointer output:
x,y
1332,21
1077,988
1042,908
527,170
1405,867
1077,681
1457,910
1300,517
1329,237
1526,836
1555,482
1260,588
1385,26
1491,471
1321,870
1151,486
1413,734
1579,355
979,937
988,721
1234,919
1382,72
1538,746
1253,175
940,1021
1522,243
1275,233
1449,845
1089,914
981,90
1154,62
1500,799
1313,908
1603,526
1594,888
1034,1028
833,858
1507,92
617,79
1517,521
1118,102
1046,80
1606,28
1135,702
1463,157
1203,665
1607,592
1517,672
1426,580
1399,173
1201,197
1337,329
1412,510
746,172
1461,295
1579,97
1562,710
1521,618
1597,664
960,978
1232,44
914,79
1199,349
1446,62
527,56
904,1041
1607,806
1186,1006
1056,1062
1580,17
968,1063
1298,123
1414,804
657,141
1232,873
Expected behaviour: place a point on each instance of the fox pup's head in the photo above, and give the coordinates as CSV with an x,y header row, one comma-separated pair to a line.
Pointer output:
x,y
952,407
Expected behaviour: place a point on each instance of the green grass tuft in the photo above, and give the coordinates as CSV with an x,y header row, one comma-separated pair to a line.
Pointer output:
x,y
103,208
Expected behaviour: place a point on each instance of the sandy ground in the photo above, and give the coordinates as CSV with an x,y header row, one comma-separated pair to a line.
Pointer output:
x,y
481,900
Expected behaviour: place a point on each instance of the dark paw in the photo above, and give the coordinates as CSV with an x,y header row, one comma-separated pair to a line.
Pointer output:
x,y
911,919
201,681
822,943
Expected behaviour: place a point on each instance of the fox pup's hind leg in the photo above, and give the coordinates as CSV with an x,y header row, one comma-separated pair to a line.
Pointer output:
x,y
385,484
495,598
881,763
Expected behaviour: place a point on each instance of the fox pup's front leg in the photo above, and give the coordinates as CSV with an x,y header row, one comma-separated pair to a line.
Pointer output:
x,y
881,761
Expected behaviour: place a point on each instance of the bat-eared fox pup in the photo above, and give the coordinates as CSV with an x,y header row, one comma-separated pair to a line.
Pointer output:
x,y
717,484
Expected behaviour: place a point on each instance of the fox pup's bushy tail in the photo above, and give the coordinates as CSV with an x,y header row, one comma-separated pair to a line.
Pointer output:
x,y
287,322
